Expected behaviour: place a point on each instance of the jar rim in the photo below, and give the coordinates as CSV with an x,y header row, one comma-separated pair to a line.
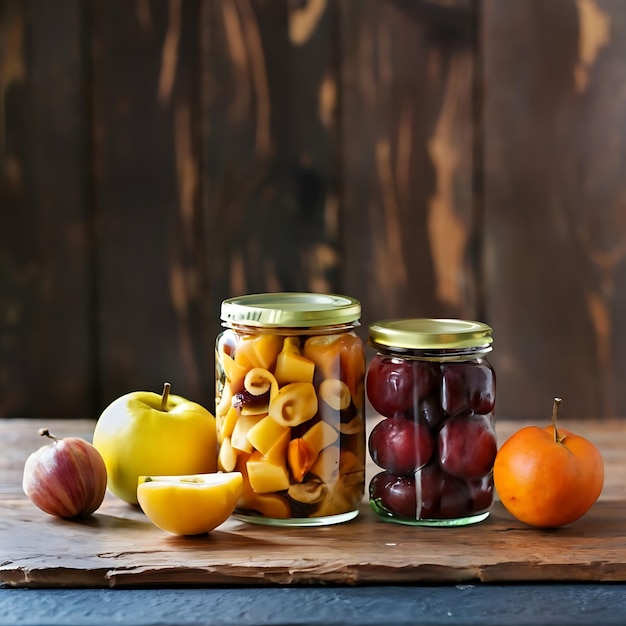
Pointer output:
x,y
291,309
430,334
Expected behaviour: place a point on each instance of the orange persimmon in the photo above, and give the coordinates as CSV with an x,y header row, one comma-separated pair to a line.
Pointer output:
x,y
548,477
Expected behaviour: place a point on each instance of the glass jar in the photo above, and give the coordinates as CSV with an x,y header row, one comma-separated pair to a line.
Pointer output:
x,y
434,387
290,398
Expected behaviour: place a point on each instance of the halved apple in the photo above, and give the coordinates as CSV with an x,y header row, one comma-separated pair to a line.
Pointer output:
x,y
192,504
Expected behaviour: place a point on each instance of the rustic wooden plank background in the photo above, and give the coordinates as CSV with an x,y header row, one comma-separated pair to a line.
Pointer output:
x,y
432,158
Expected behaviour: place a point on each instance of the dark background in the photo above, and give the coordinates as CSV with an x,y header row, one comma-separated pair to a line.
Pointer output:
x,y
433,158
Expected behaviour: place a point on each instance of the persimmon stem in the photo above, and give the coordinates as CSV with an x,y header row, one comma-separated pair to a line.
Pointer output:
x,y
165,396
555,410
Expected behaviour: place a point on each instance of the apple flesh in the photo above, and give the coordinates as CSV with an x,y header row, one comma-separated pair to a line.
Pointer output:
x,y
66,478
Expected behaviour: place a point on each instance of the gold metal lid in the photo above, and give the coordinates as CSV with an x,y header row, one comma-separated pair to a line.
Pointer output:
x,y
429,334
290,309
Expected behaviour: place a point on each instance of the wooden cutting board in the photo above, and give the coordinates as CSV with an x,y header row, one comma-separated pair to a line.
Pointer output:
x,y
119,547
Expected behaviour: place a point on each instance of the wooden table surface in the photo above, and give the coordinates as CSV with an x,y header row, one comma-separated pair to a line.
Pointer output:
x,y
119,547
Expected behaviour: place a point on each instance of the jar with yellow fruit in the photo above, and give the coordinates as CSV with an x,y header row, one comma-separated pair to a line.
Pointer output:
x,y
290,401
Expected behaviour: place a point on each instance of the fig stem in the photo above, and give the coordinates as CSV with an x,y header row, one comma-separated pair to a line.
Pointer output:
x,y
555,410
165,396
44,432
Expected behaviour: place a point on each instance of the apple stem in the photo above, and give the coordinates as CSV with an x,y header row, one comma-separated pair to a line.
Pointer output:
x,y
555,410
44,432
165,396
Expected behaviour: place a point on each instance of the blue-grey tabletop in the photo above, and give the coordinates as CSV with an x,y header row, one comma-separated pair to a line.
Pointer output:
x,y
479,605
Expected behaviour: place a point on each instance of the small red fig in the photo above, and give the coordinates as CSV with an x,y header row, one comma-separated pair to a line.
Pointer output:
x,y
66,478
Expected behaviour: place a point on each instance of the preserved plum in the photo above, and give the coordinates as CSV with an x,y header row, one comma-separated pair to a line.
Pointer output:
x,y
468,387
400,446
390,386
394,494
467,446
443,496
429,409
481,492
395,386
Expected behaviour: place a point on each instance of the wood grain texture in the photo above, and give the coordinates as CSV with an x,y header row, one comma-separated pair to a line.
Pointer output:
x,y
46,309
555,221
270,161
407,77
119,547
430,157
146,197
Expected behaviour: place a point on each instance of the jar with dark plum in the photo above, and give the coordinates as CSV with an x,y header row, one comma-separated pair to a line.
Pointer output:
x,y
290,396
436,444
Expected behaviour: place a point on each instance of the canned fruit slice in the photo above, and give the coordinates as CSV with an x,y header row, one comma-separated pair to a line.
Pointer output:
x,y
319,436
258,351
249,404
300,457
337,407
264,435
189,505
335,394
265,475
346,491
259,389
278,451
326,466
400,446
239,439
235,373
293,368
225,423
227,456
294,404
339,357
268,504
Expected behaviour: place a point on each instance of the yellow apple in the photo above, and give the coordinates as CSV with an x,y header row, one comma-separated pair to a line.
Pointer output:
x,y
143,433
